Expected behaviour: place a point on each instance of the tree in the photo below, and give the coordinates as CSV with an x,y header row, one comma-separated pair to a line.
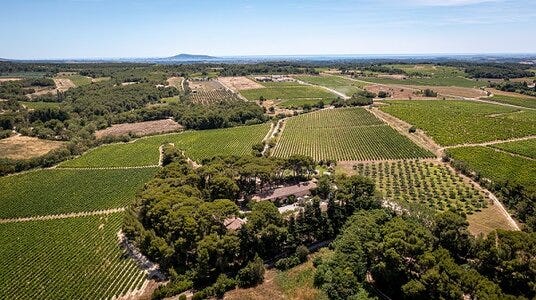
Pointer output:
x,y
252,274
452,234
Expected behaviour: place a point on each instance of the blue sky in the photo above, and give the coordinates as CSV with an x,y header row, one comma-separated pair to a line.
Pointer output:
x,y
158,28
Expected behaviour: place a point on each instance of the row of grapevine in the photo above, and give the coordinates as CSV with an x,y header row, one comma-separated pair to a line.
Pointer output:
x,y
214,96
77,258
328,134
428,183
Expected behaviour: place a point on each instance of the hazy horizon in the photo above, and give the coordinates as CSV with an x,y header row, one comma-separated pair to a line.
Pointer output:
x,y
93,29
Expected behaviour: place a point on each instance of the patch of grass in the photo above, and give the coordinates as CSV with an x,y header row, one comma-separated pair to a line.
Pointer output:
x,y
498,166
519,101
76,258
57,191
344,134
196,144
438,76
170,100
451,122
525,148
79,80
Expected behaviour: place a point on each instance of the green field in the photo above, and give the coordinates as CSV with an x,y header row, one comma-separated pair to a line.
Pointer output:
x,y
76,258
196,144
39,105
431,75
498,166
344,134
340,84
526,148
519,101
451,122
79,80
170,99
426,183
289,91
57,191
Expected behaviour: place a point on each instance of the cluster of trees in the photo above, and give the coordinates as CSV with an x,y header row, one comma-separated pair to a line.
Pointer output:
x,y
517,87
498,71
178,220
361,98
407,258
18,89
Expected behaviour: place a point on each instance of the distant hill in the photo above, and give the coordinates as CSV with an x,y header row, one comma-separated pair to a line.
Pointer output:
x,y
190,57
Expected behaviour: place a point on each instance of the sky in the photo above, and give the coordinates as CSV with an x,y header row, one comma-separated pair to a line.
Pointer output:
x,y
48,29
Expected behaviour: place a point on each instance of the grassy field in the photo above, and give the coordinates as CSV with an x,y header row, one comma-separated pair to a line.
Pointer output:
x,y
196,144
56,191
344,134
39,105
340,84
526,148
519,101
289,91
79,80
457,122
295,283
498,166
441,81
426,183
76,258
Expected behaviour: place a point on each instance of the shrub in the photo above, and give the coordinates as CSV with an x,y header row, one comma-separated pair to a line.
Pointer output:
x,y
301,253
412,129
252,274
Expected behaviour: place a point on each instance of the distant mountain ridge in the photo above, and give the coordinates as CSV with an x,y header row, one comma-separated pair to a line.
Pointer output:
x,y
190,57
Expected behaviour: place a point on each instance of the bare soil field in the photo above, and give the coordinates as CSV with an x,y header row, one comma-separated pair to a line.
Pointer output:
x,y
24,147
175,82
239,83
140,128
9,79
392,76
63,84
204,86
454,91
39,91
396,92
487,220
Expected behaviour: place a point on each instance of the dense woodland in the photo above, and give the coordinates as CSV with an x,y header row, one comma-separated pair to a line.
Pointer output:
x,y
178,221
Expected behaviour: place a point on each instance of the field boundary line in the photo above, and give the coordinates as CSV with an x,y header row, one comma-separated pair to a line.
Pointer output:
x,y
104,168
498,103
508,152
63,216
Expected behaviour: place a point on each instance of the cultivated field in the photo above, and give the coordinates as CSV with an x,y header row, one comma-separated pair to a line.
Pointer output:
x,y
344,134
196,144
525,148
498,166
140,128
458,122
427,183
175,82
239,83
515,100
291,93
77,258
210,91
60,191
24,147
338,83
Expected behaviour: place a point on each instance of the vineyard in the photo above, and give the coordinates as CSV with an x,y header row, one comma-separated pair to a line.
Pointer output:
x,y
214,96
344,134
57,191
288,91
451,122
340,84
519,101
426,183
525,148
196,144
77,258
498,166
